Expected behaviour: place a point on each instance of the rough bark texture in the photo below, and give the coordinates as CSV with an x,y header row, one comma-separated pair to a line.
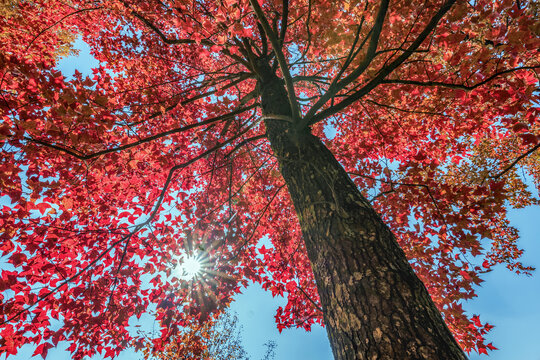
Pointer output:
x,y
375,307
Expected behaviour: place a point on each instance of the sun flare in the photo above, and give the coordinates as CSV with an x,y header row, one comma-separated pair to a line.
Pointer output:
x,y
190,267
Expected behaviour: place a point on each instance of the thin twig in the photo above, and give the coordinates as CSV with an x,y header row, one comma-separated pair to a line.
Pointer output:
x,y
509,167
310,299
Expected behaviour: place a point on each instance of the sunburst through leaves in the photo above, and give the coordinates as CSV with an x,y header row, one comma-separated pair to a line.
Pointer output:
x,y
189,266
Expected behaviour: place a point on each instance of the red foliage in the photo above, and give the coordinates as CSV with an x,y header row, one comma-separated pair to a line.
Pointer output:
x,y
106,179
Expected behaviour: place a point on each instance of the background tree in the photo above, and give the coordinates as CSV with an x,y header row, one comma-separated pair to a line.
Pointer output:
x,y
219,339
210,124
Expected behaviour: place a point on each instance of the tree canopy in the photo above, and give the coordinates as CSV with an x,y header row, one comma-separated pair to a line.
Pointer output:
x,y
106,181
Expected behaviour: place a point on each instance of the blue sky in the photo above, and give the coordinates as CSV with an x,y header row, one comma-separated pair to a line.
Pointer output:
x,y
508,301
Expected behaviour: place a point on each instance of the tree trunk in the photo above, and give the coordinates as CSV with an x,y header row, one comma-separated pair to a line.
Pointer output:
x,y
374,306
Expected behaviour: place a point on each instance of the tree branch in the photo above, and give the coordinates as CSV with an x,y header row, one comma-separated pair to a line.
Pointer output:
x,y
59,21
82,156
244,142
392,183
376,81
310,299
458,86
284,19
69,279
280,58
405,110
308,31
257,222
509,167
163,37
313,78
169,41
338,85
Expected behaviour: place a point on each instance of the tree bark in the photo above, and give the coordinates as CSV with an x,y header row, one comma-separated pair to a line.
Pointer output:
x,y
374,306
